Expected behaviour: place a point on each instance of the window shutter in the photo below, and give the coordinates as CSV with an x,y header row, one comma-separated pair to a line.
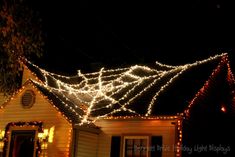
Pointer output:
x,y
115,146
156,146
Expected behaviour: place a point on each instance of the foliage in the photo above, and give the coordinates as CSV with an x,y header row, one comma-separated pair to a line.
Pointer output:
x,y
20,36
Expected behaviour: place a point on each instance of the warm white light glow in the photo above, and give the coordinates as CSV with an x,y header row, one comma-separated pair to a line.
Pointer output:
x,y
108,88
2,134
40,135
223,109
45,132
51,134
43,135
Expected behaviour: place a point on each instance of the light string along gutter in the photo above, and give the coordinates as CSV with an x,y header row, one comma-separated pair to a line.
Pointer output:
x,y
101,90
63,102
184,68
230,79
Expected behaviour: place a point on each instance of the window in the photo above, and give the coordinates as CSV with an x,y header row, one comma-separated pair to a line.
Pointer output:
x,y
136,146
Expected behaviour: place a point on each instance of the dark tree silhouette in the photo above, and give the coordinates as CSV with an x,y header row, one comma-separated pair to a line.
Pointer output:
x,y
20,36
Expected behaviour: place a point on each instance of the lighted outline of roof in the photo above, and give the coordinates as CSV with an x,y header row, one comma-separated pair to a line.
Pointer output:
x,y
193,94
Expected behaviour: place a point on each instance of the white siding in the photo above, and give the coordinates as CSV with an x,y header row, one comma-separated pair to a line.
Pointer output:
x,y
109,128
43,111
87,144
27,74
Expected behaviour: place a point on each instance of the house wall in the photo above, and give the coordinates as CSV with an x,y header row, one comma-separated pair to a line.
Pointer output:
x,y
86,145
111,128
43,111
27,74
3,98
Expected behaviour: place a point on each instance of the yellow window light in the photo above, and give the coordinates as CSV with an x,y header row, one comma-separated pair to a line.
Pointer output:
x,y
51,134
2,134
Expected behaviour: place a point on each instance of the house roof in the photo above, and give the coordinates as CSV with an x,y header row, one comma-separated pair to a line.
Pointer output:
x,y
131,91
61,103
53,99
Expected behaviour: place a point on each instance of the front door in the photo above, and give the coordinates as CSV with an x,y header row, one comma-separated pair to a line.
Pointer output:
x,y
22,143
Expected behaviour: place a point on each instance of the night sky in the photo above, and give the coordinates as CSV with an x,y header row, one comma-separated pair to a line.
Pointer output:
x,y
90,35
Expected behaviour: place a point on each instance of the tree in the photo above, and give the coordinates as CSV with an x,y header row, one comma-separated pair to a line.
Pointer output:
x,y
20,36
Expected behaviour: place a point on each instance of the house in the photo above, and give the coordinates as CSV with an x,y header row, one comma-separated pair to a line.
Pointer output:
x,y
126,112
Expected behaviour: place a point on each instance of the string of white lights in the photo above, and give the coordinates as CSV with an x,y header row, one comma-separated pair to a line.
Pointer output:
x,y
161,90
123,107
127,93
112,86
65,104
184,67
165,65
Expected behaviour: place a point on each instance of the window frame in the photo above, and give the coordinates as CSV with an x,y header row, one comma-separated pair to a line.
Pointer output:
x,y
124,137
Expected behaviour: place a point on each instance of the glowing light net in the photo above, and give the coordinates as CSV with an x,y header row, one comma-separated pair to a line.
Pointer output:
x,y
111,91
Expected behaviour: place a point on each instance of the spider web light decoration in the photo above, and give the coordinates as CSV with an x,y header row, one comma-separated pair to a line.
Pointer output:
x,y
108,92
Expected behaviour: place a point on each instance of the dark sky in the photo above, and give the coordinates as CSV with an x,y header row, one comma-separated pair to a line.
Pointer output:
x,y
88,35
